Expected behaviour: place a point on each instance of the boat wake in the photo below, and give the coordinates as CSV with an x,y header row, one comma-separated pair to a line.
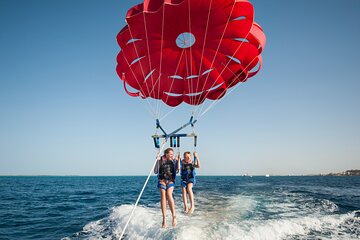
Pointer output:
x,y
234,217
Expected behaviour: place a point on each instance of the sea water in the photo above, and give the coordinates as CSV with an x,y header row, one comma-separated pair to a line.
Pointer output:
x,y
308,207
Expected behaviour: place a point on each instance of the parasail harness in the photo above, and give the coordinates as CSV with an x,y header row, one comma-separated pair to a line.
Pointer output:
x,y
174,136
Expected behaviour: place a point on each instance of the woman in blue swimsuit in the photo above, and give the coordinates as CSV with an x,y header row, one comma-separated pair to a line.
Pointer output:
x,y
166,169
188,173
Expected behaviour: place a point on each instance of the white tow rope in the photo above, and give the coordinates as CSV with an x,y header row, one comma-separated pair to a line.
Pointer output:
x,y
142,190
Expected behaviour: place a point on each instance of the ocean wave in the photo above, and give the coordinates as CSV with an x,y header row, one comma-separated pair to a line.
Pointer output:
x,y
233,218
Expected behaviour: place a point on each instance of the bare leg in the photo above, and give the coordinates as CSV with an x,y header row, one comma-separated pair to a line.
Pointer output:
x,y
171,205
163,205
191,196
184,197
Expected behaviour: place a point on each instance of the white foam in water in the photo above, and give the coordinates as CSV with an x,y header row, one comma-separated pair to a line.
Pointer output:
x,y
299,227
329,206
236,217
145,221
144,224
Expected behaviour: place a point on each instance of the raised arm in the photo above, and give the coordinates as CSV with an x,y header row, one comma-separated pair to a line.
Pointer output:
x,y
197,164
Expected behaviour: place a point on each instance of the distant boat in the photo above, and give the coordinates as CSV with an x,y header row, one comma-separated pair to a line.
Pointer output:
x,y
267,175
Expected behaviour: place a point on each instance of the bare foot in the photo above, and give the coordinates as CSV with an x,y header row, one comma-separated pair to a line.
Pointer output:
x,y
174,222
186,209
191,210
164,223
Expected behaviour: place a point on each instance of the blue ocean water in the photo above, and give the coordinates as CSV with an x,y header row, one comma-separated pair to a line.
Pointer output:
x,y
226,208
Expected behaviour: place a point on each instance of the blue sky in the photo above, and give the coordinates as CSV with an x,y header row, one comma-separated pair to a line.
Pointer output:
x,y
63,110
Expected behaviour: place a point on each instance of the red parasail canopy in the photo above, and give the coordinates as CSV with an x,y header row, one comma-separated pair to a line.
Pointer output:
x,y
188,50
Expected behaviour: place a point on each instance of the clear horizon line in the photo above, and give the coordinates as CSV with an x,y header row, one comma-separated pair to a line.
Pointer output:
x,y
210,175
